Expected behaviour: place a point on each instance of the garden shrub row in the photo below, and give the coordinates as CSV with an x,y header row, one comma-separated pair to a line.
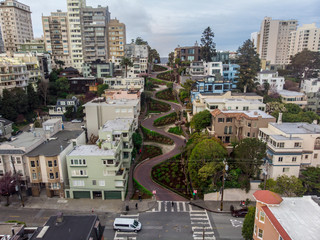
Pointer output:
x,y
159,68
160,82
175,130
149,151
165,120
168,76
153,136
145,193
157,106
166,94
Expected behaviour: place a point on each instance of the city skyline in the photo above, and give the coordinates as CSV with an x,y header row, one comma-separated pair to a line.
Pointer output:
x,y
169,23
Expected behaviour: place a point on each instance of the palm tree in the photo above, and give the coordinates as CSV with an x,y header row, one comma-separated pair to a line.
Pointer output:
x,y
126,62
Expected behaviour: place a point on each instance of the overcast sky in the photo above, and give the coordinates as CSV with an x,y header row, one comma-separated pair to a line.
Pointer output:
x,y
165,24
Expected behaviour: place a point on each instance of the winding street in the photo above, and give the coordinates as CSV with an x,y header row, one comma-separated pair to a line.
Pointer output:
x,y
142,172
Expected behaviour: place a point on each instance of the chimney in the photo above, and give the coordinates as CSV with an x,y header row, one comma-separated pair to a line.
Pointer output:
x,y
280,118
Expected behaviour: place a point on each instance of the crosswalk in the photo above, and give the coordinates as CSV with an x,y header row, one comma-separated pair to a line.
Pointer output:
x,y
201,225
169,206
127,235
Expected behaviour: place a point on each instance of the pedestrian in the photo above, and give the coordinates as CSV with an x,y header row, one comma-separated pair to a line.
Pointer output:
x,y
136,205
140,199
172,204
92,210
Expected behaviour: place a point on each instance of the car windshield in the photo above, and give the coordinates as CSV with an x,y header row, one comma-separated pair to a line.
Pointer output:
x,y
135,223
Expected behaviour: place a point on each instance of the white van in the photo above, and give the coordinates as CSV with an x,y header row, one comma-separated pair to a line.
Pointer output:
x,y
126,224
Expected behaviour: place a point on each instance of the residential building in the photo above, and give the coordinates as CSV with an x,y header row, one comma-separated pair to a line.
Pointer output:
x,y
47,162
16,24
285,217
69,73
15,150
117,40
32,46
230,126
13,73
86,227
125,83
221,56
139,57
275,82
298,98
305,37
94,31
100,110
74,31
56,38
313,102
1,42
101,171
5,128
255,39
188,53
62,106
80,85
228,101
274,41
290,147
98,69
311,85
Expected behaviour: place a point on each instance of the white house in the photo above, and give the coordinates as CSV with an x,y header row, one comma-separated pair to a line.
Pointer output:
x,y
275,82
311,85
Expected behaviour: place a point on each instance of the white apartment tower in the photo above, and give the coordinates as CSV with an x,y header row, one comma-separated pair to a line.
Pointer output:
x,y
305,37
274,40
75,39
16,24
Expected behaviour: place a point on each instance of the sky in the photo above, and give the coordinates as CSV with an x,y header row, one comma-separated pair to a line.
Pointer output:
x,y
165,24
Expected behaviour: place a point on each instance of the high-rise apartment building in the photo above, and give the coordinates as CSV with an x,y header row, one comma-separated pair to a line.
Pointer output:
x,y
117,40
305,37
94,29
274,40
56,38
16,24
75,38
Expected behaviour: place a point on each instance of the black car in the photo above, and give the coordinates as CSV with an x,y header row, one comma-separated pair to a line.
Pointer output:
x,y
240,212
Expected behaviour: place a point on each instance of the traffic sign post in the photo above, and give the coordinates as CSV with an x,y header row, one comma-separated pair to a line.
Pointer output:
x,y
154,192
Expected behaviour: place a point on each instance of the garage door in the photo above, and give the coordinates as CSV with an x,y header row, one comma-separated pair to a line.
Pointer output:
x,y
112,195
81,194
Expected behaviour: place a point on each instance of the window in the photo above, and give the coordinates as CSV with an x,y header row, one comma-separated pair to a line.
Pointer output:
x,y
280,144
248,134
262,216
102,183
55,163
226,130
228,119
32,164
245,108
285,169
18,160
306,157
255,229
78,183
1,172
37,163
34,175
79,173
257,213
94,182
297,144
280,159
315,155
260,233
51,176
220,120
57,175
84,162
49,163
249,124
294,159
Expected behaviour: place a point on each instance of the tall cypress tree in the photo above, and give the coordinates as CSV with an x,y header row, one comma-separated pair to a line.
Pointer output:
x,y
208,47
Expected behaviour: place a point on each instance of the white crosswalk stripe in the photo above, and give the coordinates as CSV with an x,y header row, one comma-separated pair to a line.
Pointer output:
x,y
201,225
126,235
169,206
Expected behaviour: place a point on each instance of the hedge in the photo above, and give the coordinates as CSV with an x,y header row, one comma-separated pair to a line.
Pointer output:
x,y
153,136
165,120
142,188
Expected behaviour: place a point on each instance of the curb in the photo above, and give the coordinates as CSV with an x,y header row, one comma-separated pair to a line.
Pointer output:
x,y
209,210
134,212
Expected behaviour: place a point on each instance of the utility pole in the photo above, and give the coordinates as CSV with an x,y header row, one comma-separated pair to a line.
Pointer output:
x,y
225,167
17,182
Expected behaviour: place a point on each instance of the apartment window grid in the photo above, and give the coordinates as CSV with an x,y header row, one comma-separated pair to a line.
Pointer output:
x,y
280,159
260,233
262,216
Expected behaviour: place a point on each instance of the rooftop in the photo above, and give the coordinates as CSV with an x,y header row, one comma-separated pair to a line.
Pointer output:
x,y
233,100
118,124
250,113
71,228
297,128
290,93
55,146
91,150
116,102
266,72
281,137
25,139
299,216
267,197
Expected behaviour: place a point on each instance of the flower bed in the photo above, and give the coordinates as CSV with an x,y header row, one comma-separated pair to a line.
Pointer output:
x,y
159,68
160,82
152,136
170,175
168,76
149,151
157,106
175,130
166,94
165,120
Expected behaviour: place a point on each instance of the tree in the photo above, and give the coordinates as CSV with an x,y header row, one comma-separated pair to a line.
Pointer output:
x,y
153,56
248,224
59,62
54,75
140,41
7,185
43,88
101,89
249,63
171,59
310,178
7,106
287,186
201,120
62,86
248,156
270,184
79,112
209,153
208,47
137,140
69,114
305,63
126,62
33,98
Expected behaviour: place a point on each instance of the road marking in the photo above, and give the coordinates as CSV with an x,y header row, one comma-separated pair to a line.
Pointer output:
x,y
165,206
178,207
132,215
130,233
197,214
200,219
201,223
153,227
184,206
236,223
206,228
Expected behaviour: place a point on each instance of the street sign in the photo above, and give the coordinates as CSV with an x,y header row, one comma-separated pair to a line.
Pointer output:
x,y
154,192
195,191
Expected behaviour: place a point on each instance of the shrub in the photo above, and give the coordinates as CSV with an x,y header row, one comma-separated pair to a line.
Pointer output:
x,y
165,120
166,94
175,130
155,137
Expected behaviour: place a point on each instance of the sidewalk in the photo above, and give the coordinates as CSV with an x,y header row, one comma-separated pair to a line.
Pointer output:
x,y
214,206
81,205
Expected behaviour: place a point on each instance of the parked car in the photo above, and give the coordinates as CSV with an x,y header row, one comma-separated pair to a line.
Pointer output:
x,y
76,121
240,212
